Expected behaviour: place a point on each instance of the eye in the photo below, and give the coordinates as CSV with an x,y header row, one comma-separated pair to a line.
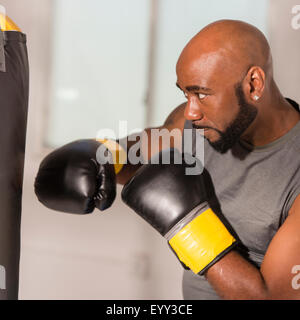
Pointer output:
x,y
201,95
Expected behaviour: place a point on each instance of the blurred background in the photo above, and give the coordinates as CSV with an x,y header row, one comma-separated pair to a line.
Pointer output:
x,y
92,64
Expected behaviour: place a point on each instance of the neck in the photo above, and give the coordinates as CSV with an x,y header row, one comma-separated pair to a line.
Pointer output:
x,y
275,118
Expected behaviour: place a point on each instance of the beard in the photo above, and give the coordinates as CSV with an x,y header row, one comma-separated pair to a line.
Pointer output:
x,y
246,115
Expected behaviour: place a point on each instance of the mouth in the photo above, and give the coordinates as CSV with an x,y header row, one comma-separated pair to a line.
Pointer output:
x,y
207,133
200,126
195,126
204,132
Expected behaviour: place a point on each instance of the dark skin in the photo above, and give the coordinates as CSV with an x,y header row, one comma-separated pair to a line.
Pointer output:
x,y
219,56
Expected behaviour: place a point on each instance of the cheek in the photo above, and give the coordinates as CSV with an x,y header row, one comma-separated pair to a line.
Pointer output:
x,y
224,110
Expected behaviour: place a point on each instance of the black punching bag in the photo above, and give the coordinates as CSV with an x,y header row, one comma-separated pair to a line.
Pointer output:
x,y
13,118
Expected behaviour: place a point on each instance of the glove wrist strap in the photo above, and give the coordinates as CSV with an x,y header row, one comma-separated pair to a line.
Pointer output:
x,y
186,220
201,241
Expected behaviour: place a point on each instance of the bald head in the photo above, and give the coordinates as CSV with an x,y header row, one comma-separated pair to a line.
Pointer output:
x,y
228,45
225,72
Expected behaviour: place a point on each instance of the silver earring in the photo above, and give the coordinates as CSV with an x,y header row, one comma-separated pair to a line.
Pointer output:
x,y
256,97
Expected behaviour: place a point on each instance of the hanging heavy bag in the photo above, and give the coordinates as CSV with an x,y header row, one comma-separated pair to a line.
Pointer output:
x,y
14,74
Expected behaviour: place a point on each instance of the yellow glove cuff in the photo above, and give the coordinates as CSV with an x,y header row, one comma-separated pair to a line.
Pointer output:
x,y
201,241
6,24
118,153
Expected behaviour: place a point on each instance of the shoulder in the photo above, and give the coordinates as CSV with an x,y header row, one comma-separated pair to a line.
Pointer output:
x,y
176,118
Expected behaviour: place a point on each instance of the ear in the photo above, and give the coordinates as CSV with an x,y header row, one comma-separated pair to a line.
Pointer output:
x,y
255,83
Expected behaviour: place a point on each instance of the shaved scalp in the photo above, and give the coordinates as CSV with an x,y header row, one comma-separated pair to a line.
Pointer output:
x,y
223,56
236,45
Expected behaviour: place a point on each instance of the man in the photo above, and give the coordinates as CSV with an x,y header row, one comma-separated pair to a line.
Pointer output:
x,y
226,74
252,137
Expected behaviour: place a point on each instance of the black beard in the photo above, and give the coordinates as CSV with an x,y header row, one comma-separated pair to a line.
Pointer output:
x,y
246,115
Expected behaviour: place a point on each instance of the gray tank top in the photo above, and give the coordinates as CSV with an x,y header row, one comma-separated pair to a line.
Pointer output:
x,y
254,189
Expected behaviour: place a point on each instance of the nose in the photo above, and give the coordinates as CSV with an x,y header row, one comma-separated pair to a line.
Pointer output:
x,y
192,109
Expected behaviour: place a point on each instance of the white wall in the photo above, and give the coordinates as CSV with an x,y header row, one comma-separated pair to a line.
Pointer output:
x,y
99,67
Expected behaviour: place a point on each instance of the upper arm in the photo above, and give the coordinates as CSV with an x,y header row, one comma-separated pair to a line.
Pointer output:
x,y
283,257
146,145
151,142
176,118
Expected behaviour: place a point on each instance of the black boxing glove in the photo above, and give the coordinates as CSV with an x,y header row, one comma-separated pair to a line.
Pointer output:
x,y
175,204
70,179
